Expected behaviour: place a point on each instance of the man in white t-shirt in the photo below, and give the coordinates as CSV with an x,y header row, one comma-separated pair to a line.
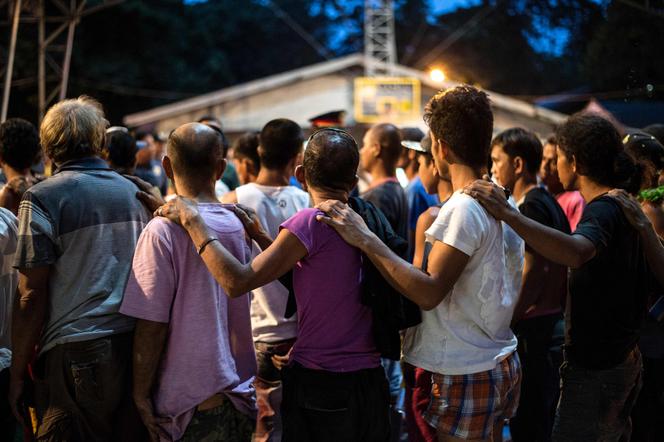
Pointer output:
x,y
473,280
274,201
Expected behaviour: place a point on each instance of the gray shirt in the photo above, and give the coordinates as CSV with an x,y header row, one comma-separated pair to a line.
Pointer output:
x,y
84,223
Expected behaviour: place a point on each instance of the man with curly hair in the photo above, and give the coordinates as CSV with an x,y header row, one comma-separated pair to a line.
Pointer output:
x,y
19,149
471,288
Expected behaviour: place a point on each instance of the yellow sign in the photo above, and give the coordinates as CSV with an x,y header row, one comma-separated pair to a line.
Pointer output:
x,y
387,99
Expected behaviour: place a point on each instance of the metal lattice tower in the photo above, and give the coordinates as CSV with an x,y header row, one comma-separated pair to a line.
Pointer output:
x,y
379,42
56,21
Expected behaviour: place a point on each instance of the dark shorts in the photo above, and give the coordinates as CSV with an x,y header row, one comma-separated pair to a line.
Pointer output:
x,y
325,406
83,392
595,405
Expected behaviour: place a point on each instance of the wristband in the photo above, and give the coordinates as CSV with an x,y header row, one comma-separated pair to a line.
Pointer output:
x,y
201,249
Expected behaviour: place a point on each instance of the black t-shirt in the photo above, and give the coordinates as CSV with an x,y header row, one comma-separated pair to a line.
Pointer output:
x,y
607,297
391,199
539,205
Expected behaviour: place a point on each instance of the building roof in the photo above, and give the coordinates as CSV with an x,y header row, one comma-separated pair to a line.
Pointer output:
x,y
319,69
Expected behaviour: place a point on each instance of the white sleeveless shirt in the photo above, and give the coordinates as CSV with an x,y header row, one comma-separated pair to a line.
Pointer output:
x,y
273,205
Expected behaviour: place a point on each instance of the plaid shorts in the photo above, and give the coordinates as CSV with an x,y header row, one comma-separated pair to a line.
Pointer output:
x,y
468,406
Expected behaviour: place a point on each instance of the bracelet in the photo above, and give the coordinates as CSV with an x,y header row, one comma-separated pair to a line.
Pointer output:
x,y
201,249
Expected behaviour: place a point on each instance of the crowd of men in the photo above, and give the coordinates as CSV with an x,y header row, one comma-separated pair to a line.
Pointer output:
x,y
178,290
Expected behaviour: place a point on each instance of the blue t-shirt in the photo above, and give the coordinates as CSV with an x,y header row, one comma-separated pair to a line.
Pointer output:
x,y
418,201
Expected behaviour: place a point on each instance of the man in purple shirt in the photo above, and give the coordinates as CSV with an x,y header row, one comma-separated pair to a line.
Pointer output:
x,y
334,387
194,358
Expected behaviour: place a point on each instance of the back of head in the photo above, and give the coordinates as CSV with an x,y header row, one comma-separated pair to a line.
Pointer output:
x,y
645,149
19,143
518,142
247,147
215,123
331,160
121,148
388,137
597,147
195,151
280,141
656,130
461,118
73,129
411,134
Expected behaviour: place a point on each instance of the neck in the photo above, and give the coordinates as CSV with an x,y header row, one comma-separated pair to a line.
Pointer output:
x,y
12,173
380,171
556,187
321,195
273,177
463,175
411,171
201,193
590,189
522,186
444,190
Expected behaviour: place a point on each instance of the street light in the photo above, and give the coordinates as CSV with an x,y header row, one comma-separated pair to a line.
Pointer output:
x,y
437,75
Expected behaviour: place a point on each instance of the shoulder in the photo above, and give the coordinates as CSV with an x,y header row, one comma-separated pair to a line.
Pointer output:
x,y
161,229
230,197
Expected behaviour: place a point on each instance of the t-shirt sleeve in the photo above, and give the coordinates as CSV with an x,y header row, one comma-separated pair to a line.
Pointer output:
x,y
598,223
535,210
36,235
303,225
462,225
151,286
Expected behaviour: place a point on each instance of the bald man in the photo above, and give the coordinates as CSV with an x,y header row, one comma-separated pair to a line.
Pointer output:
x,y
193,352
381,148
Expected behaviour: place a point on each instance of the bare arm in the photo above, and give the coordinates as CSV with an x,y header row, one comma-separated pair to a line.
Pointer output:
x,y
652,244
568,250
424,221
426,290
236,278
149,341
28,318
531,284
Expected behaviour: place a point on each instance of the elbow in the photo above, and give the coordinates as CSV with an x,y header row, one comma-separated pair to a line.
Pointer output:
x,y
234,290
429,303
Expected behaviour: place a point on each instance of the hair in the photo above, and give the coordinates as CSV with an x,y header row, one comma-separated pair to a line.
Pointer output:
x,y
461,117
411,134
331,160
73,129
656,130
280,141
388,137
552,140
195,154
247,147
19,143
598,150
121,149
645,149
518,142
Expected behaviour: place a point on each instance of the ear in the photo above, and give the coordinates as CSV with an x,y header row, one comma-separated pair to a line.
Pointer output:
x,y
572,163
168,167
519,165
301,177
377,149
221,166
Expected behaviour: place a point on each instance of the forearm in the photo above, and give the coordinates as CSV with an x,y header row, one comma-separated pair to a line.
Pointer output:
x,y
235,278
403,276
531,288
149,341
552,244
28,317
654,251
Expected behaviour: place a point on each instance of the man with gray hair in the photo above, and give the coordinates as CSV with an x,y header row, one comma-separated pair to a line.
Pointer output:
x,y
77,233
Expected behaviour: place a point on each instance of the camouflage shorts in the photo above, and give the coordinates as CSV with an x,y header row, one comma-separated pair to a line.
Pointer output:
x,y
223,423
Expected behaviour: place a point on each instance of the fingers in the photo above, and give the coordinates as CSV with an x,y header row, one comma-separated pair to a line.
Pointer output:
x,y
141,184
327,220
148,200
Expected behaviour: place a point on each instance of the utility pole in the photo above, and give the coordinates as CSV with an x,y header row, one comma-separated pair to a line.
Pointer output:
x,y
379,44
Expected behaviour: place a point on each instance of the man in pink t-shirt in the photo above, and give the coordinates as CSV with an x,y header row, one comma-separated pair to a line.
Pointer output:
x,y
194,359
571,202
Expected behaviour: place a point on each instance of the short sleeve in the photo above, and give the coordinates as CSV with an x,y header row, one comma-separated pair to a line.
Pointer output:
x,y
36,235
598,223
302,225
151,285
462,225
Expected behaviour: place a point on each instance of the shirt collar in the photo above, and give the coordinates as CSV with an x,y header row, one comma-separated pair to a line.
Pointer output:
x,y
87,163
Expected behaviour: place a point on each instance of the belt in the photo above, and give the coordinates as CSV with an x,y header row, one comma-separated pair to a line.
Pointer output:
x,y
214,401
